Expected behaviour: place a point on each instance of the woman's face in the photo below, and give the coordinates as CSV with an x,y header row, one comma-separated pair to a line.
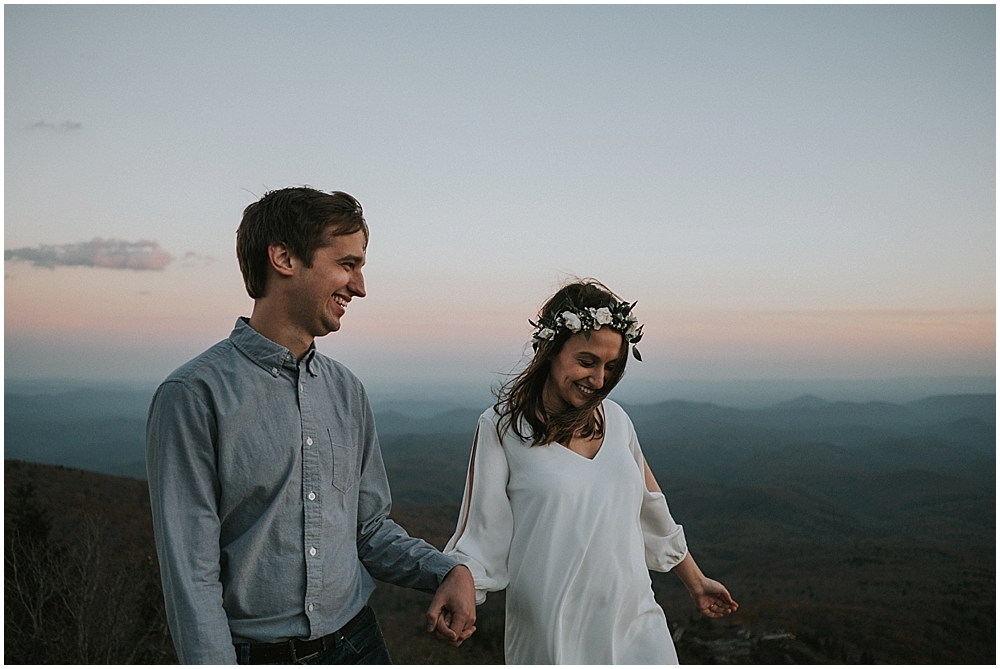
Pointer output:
x,y
580,368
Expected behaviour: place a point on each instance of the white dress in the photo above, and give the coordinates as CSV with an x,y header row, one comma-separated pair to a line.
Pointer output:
x,y
571,540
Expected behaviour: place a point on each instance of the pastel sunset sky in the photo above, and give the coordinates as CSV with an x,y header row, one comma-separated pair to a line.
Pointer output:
x,y
790,192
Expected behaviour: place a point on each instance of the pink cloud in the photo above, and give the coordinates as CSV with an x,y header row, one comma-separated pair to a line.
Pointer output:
x,y
98,252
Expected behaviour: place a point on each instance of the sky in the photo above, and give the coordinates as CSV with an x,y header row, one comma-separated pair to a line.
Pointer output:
x,y
789,192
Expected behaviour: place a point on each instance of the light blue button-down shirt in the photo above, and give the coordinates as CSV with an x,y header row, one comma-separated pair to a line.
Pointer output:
x,y
269,499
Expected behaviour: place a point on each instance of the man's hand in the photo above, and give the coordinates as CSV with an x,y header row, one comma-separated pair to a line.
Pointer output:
x,y
451,617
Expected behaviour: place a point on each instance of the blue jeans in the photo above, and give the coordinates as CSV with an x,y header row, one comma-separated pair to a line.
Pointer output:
x,y
364,644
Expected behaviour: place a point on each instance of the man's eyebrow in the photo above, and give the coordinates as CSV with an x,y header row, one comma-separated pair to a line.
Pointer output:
x,y
352,258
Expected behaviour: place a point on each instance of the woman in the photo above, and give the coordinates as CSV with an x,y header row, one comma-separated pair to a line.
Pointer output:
x,y
560,507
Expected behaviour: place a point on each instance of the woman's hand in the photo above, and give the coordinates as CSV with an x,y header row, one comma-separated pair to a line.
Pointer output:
x,y
712,599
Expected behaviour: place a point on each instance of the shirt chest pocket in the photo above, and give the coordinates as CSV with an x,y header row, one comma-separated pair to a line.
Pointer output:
x,y
345,461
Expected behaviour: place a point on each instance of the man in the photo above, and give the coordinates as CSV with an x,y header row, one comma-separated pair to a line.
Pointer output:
x,y
268,491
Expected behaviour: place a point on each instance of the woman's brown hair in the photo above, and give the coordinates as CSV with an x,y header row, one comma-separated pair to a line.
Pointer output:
x,y
519,401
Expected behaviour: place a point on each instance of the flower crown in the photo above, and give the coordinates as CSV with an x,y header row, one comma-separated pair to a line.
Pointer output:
x,y
616,315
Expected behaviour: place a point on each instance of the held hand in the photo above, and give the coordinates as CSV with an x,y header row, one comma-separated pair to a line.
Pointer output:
x,y
451,617
713,600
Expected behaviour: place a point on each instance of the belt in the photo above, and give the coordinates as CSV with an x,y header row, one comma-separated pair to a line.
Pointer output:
x,y
298,649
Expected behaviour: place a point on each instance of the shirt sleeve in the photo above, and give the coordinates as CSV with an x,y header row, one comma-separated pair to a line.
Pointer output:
x,y
384,548
486,522
665,545
184,493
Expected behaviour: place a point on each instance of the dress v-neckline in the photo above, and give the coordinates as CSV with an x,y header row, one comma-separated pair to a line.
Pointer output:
x,y
599,448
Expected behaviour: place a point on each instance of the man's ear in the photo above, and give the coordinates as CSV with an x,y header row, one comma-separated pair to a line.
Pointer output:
x,y
281,259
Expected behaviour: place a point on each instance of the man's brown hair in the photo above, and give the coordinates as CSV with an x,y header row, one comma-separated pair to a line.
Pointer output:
x,y
301,218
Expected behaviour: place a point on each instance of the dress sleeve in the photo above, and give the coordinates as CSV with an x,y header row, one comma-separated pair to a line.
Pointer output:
x,y
486,523
662,537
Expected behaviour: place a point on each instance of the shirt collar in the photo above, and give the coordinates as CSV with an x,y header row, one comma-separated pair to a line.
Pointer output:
x,y
267,354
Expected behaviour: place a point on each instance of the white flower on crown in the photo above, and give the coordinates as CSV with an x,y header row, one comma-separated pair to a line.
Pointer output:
x,y
602,316
546,333
632,330
572,321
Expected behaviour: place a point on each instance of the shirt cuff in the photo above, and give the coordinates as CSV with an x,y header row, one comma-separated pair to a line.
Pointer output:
x,y
441,565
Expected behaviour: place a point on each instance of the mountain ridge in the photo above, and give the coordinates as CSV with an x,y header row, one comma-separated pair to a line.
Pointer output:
x,y
103,430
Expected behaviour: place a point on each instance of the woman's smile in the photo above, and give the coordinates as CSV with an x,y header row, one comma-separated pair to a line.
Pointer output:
x,y
580,368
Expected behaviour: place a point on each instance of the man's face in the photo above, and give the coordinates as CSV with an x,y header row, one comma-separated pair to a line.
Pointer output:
x,y
322,292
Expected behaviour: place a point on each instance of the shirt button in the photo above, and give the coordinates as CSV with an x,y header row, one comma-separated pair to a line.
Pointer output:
x,y
274,370
309,441
312,551
311,607
311,496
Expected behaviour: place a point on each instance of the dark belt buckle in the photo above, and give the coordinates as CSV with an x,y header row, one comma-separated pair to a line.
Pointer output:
x,y
292,643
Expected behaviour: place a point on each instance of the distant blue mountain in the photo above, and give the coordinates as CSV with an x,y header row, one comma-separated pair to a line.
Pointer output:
x,y
99,430
82,404
103,430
